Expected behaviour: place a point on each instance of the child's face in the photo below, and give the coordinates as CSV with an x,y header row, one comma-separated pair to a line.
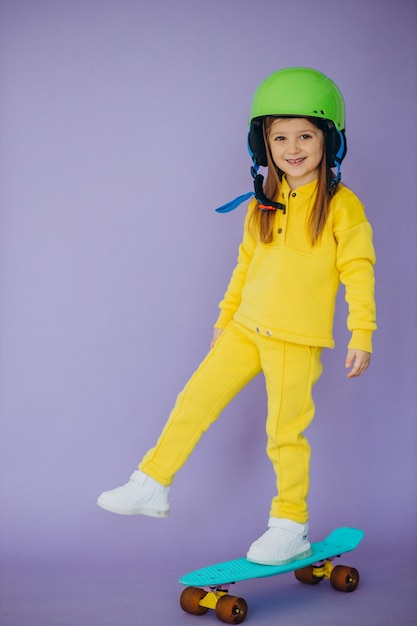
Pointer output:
x,y
297,148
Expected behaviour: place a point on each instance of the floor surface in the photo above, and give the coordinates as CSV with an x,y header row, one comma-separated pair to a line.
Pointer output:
x,y
141,594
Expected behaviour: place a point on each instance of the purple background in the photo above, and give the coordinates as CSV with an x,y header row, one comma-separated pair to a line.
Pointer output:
x,y
123,125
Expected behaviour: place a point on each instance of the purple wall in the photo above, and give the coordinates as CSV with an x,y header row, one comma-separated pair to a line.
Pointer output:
x,y
123,125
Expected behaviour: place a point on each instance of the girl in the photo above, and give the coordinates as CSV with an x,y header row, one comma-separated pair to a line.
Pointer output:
x,y
304,233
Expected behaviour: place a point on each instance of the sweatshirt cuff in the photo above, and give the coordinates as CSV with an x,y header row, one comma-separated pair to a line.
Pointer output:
x,y
361,340
224,318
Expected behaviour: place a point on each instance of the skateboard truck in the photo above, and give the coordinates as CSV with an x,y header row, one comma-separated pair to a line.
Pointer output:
x,y
341,578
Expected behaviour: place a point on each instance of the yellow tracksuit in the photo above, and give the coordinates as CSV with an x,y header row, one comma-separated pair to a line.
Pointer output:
x,y
277,315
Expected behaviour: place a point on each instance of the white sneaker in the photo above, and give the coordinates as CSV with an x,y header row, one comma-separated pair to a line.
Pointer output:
x,y
142,495
285,541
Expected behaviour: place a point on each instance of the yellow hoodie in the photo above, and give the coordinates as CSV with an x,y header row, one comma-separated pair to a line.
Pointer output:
x,y
287,289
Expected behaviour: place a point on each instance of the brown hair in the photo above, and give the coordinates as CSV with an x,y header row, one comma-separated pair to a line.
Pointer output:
x,y
262,222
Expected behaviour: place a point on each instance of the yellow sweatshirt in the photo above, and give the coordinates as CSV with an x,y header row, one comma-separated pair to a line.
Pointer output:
x,y
287,289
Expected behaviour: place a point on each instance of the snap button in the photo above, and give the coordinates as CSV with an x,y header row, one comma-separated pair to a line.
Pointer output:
x,y
258,330
280,230
269,333
294,194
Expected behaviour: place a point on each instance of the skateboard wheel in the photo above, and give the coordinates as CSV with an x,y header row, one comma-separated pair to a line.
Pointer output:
x,y
344,578
306,576
190,601
231,610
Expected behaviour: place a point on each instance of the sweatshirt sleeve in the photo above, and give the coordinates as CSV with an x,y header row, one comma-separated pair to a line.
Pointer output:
x,y
232,298
355,263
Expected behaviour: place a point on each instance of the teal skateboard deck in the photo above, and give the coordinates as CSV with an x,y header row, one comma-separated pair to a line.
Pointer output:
x,y
207,588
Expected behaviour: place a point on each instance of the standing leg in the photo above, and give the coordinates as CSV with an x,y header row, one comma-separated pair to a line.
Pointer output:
x,y
290,372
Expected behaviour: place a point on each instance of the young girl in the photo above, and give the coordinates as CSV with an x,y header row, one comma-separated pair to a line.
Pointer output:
x,y
304,234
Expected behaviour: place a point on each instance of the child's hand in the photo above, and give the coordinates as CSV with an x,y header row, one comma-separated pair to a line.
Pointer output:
x,y
358,360
216,335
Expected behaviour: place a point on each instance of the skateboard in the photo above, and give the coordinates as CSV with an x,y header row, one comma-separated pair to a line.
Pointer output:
x,y
208,588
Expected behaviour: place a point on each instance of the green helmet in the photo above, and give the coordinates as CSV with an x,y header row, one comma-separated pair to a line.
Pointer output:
x,y
302,92
299,92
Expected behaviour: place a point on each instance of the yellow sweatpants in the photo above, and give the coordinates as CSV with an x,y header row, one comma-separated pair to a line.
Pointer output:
x,y
290,372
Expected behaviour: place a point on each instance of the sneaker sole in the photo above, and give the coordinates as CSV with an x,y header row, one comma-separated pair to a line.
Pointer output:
x,y
135,511
296,557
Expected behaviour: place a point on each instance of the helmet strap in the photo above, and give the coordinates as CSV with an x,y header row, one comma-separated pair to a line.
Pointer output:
x,y
338,161
265,204
233,204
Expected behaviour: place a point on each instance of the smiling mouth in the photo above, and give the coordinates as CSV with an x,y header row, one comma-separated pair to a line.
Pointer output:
x,y
295,161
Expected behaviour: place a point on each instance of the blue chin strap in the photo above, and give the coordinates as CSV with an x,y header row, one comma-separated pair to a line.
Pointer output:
x,y
265,204
233,204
